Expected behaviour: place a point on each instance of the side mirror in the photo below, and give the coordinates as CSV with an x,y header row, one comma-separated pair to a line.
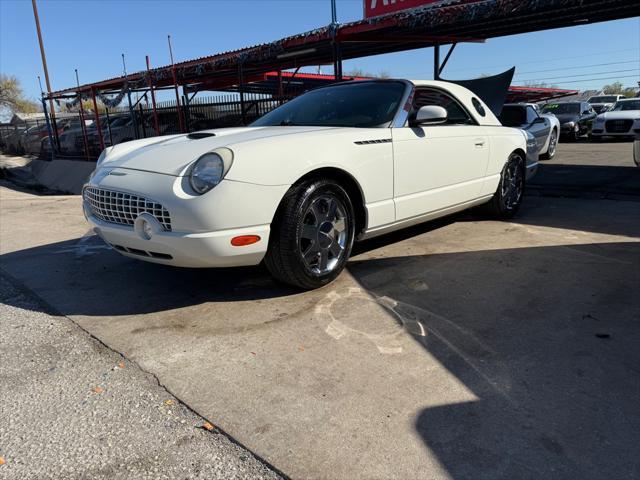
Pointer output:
x,y
586,112
539,120
430,115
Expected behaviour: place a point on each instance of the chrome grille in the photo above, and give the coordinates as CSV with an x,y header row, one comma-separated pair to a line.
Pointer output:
x,y
123,208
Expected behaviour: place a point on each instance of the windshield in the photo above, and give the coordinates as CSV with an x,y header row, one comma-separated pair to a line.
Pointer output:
x,y
560,108
366,104
603,99
627,105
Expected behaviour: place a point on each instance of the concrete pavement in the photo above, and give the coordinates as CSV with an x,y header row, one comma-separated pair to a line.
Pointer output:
x,y
71,408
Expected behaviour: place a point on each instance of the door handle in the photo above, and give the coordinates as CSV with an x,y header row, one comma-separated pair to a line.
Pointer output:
x,y
479,142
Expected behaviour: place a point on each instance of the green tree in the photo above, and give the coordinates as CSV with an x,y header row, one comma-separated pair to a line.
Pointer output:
x,y
617,88
12,98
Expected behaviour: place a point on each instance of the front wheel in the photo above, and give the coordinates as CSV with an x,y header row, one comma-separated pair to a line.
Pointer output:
x,y
508,197
312,234
553,144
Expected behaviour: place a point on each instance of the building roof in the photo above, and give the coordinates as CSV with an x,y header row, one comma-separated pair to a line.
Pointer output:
x,y
448,21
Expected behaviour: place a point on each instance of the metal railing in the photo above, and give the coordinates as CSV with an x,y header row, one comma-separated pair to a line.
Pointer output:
x,y
118,125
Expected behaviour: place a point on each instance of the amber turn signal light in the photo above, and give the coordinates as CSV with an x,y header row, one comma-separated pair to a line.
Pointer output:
x,y
244,240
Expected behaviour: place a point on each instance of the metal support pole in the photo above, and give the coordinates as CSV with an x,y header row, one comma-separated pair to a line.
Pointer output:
x,y
109,126
280,90
96,114
241,91
436,61
175,84
156,126
132,112
84,127
187,111
44,59
49,131
446,58
144,129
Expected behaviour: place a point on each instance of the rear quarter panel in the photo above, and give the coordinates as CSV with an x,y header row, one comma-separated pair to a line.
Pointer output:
x,y
503,141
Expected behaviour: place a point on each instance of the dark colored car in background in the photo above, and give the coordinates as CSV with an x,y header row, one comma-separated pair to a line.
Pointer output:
x,y
576,118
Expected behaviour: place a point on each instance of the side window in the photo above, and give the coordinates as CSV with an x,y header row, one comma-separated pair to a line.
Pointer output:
x,y
531,114
456,114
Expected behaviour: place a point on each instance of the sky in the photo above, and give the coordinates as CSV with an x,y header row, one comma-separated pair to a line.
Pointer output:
x,y
91,35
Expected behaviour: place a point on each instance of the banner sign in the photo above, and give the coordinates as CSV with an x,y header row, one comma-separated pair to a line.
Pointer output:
x,y
374,8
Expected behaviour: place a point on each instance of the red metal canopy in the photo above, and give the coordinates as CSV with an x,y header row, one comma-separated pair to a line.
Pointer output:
x,y
448,21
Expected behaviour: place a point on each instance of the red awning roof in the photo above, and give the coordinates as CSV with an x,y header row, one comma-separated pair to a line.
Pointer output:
x,y
445,22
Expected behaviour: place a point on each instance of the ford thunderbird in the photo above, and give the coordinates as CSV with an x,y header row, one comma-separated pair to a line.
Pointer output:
x,y
297,187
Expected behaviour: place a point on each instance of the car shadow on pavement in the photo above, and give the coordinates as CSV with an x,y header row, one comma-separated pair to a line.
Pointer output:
x,y
546,340
592,180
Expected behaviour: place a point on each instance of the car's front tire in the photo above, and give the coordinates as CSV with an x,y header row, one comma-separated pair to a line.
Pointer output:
x,y
506,202
553,144
311,235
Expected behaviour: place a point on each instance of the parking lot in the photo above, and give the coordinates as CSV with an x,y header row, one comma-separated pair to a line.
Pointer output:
x,y
461,348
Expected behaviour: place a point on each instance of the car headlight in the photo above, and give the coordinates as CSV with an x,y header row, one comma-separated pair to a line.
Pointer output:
x,y
599,119
209,170
569,124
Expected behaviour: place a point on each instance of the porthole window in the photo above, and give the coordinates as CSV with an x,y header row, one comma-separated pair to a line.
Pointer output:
x,y
478,106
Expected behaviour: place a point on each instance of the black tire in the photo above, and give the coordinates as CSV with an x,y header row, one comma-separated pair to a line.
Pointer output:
x,y
502,204
293,249
553,147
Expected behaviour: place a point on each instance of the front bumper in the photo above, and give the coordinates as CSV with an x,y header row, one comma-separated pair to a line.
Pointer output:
x,y
195,250
200,228
569,129
602,132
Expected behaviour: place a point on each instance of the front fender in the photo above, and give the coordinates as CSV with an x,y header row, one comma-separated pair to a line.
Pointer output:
x,y
283,160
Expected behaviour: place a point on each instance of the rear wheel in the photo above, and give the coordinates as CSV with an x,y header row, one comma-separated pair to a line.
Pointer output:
x,y
508,197
312,234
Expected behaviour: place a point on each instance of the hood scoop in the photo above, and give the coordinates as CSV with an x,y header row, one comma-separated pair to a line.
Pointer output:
x,y
199,135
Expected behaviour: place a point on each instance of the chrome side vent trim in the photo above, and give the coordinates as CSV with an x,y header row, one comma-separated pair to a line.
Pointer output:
x,y
371,142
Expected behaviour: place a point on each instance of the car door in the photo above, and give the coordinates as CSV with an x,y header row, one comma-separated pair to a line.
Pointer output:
x,y
438,166
540,127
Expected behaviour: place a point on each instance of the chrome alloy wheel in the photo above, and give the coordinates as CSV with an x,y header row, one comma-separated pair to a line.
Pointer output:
x,y
323,235
512,183
553,142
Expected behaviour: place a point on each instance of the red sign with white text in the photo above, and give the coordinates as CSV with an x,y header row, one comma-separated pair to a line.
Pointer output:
x,y
374,8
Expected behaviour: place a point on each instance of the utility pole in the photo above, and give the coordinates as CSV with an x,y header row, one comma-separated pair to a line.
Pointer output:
x,y
44,59
175,84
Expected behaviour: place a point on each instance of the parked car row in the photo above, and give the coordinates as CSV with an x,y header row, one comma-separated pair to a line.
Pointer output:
x,y
574,120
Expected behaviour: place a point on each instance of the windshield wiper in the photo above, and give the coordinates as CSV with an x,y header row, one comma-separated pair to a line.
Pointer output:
x,y
287,123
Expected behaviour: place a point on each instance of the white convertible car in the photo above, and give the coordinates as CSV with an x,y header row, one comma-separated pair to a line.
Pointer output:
x,y
301,184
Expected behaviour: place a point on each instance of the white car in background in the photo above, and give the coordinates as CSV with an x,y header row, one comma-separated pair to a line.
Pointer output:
x,y
301,184
623,120
603,103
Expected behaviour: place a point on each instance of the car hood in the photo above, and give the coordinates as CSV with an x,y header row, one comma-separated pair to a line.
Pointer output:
x,y
620,115
172,154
